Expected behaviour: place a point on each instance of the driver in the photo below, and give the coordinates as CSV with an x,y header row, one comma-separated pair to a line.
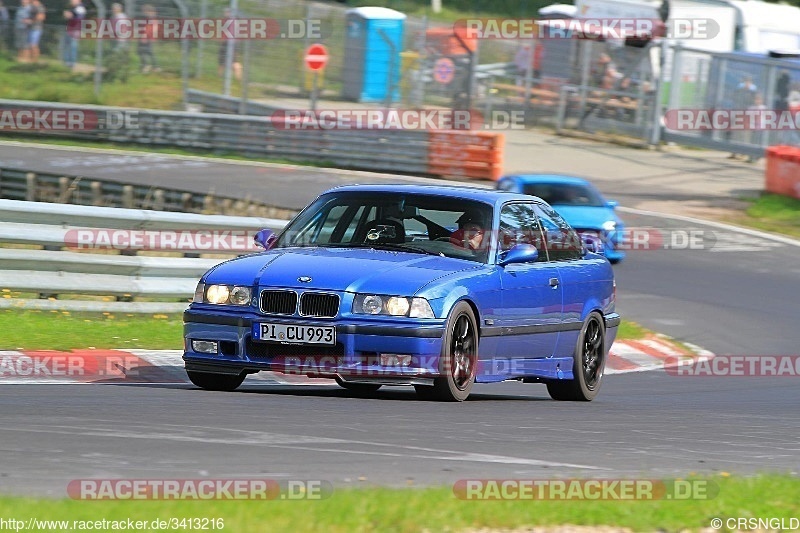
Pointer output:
x,y
471,231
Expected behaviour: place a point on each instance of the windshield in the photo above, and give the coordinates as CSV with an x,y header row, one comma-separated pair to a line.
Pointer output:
x,y
415,223
565,194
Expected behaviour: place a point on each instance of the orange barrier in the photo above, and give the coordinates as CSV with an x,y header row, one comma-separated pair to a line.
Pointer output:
x,y
466,154
783,170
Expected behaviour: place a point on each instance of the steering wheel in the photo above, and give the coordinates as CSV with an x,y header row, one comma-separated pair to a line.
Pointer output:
x,y
383,231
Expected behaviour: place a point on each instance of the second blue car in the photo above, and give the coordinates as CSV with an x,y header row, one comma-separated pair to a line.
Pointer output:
x,y
579,202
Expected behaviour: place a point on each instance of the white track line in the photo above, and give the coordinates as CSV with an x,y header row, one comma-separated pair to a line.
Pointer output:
x,y
721,225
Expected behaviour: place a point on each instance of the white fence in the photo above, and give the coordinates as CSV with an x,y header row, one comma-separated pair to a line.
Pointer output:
x,y
95,251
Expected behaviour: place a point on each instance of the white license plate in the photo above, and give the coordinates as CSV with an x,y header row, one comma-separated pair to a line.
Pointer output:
x,y
295,334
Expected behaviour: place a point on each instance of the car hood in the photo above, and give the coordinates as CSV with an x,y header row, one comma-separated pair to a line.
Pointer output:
x,y
338,269
586,216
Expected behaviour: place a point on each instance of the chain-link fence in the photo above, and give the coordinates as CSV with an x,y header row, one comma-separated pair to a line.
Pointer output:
x,y
582,84
275,68
738,102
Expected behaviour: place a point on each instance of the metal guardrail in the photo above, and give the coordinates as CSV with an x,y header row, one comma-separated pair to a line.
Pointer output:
x,y
219,103
112,217
64,267
20,184
385,150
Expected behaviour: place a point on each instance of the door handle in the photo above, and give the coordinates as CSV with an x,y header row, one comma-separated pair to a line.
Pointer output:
x,y
554,282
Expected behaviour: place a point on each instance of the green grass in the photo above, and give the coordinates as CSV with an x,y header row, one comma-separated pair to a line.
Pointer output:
x,y
51,330
51,82
437,509
631,331
63,330
776,213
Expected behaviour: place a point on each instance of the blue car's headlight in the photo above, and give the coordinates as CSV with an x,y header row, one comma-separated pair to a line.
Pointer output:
x,y
376,304
222,294
610,225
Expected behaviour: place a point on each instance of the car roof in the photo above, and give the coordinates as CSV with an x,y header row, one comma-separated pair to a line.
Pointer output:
x,y
550,178
492,196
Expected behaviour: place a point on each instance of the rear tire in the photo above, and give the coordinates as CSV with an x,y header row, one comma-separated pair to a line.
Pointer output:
x,y
589,362
361,388
459,358
216,382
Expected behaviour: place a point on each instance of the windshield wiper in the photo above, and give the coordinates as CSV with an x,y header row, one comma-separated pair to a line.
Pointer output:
x,y
399,247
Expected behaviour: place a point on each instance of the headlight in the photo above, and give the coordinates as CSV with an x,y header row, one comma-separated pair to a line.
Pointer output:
x,y
240,296
198,293
609,225
397,306
217,294
420,308
373,304
227,294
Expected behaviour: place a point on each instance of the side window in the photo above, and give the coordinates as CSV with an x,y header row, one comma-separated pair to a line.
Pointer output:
x,y
350,230
519,225
562,242
334,216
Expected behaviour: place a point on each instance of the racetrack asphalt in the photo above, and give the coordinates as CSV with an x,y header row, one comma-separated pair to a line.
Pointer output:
x,y
645,424
738,299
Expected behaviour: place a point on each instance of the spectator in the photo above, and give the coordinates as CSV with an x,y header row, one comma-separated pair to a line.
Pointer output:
x,y
119,63
757,134
37,14
145,46
745,93
782,90
794,98
73,16
4,25
743,98
605,74
222,56
22,29
528,56
782,87
118,16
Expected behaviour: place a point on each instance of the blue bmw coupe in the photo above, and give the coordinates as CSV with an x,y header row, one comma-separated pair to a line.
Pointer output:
x,y
579,202
437,287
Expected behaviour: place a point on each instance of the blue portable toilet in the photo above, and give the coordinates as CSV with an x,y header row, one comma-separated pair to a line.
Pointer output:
x,y
373,42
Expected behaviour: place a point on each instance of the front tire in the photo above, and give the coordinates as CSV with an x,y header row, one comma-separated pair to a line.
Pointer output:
x,y
216,382
459,358
588,366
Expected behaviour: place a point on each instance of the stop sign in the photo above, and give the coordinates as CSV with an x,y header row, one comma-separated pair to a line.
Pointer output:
x,y
316,56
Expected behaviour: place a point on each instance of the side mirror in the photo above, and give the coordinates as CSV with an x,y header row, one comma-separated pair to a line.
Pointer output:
x,y
265,238
521,253
612,204
592,243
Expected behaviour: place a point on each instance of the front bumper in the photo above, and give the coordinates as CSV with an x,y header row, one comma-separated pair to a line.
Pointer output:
x,y
389,351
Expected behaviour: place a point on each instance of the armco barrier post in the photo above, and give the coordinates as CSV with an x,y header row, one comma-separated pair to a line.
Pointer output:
x,y
782,174
30,190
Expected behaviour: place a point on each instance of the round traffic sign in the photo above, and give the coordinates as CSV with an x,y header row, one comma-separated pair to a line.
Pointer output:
x,y
316,56
444,70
